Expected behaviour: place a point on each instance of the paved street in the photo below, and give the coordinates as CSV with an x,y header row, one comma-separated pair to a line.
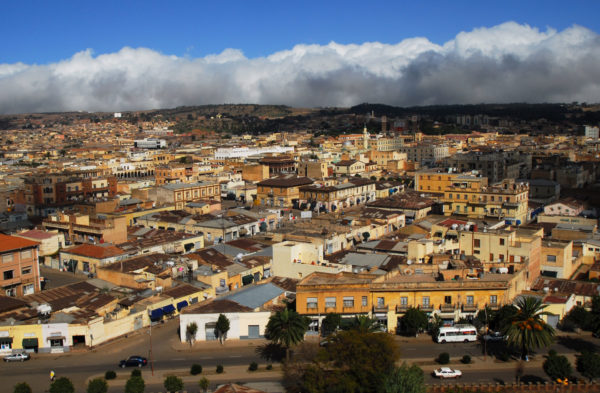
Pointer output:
x,y
170,355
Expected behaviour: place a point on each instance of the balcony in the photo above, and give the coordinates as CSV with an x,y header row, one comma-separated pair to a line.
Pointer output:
x,y
426,307
470,307
448,307
380,308
401,308
493,306
311,306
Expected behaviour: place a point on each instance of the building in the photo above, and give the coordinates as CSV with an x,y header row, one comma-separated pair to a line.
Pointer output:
x,y
150,143
20,268
80,228
496,166
279,164
565,207
557,259
88,258
180,194
313,169
437,181
425,154
355,191
166,174
281,191
592,132
472,197
349,167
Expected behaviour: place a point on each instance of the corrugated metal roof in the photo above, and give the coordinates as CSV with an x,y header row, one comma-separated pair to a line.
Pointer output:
x,y
255,296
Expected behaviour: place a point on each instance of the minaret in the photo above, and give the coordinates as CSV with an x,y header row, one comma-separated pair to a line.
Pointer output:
x,y
365,138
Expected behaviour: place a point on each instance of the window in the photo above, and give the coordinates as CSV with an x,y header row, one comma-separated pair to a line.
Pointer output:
x,y
28,289
493,299
7,258
470,300
476,243
501,242
26,270
426,301
330,302
476,252
11,292
551,258
26,254
447,299
348,301
404,301
380,302
311,302
364,301
8,275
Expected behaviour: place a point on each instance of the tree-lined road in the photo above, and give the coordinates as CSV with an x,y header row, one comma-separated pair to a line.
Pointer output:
x,y
169,354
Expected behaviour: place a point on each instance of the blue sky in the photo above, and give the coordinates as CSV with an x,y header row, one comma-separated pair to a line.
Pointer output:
x,y
41,32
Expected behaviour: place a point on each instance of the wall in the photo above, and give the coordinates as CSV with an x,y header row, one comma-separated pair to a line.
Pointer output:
x,y
238,324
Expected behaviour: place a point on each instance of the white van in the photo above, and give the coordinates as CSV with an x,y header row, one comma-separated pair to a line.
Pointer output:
x,y
457,333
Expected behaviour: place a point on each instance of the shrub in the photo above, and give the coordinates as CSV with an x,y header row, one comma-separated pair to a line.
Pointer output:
x,y
196,369
22,387
62,385
269,367
466,359
110,374
203,384
253,366
136,372
443,358
219,369
557,367
97,385
135,385
173,383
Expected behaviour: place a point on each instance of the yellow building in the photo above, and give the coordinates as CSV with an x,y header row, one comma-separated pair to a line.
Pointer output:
x,y
557,259
472,197
386,298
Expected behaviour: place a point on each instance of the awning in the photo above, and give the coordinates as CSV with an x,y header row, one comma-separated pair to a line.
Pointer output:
x,y
30,342
247,279
55,338
181,305
6,340
156,314
168,309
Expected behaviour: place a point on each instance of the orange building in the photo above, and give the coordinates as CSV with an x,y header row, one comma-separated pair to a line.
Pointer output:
x,y
20,269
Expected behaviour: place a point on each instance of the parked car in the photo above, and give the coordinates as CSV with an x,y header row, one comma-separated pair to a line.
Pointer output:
x,y
494,336
447,372
17,357
133,361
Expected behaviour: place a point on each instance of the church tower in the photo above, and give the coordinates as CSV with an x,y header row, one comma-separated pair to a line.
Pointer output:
x,y
365,138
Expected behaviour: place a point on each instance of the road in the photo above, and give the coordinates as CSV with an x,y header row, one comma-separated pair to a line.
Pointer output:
x,y
169,354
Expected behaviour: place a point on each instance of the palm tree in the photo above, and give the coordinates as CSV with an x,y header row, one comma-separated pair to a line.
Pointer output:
x,y
364,324
527,330
286,328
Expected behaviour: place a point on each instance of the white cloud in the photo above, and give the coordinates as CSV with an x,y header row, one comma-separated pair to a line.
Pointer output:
x,y
504,63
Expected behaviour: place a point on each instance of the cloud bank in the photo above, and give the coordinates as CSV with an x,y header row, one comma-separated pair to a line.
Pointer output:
x,y
505,63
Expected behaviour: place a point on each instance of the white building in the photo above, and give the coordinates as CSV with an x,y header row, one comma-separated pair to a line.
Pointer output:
x,y
592,132
244,152
150,143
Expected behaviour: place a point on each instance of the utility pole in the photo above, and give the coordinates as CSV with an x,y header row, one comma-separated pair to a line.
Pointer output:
x,y
151,355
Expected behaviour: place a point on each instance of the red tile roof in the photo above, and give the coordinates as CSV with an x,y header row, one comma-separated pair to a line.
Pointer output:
x,y
93,251
9,243
36,234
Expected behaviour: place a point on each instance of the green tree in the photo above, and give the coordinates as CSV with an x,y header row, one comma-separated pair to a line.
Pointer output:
x,y
588,365
286,328
413,321
330,323
22,387
527,329
405,379
62,385
97,385
203,384
190,332
364,324
579,317
222,327
366,360
135,385
557,367
173,383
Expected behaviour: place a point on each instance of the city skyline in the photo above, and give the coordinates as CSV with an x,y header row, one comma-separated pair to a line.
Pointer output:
x,y
73,58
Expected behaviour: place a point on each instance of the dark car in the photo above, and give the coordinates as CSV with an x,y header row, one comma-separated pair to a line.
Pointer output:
x,y
133,361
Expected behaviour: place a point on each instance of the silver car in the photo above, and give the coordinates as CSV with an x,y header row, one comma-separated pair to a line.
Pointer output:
x,y
17,357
